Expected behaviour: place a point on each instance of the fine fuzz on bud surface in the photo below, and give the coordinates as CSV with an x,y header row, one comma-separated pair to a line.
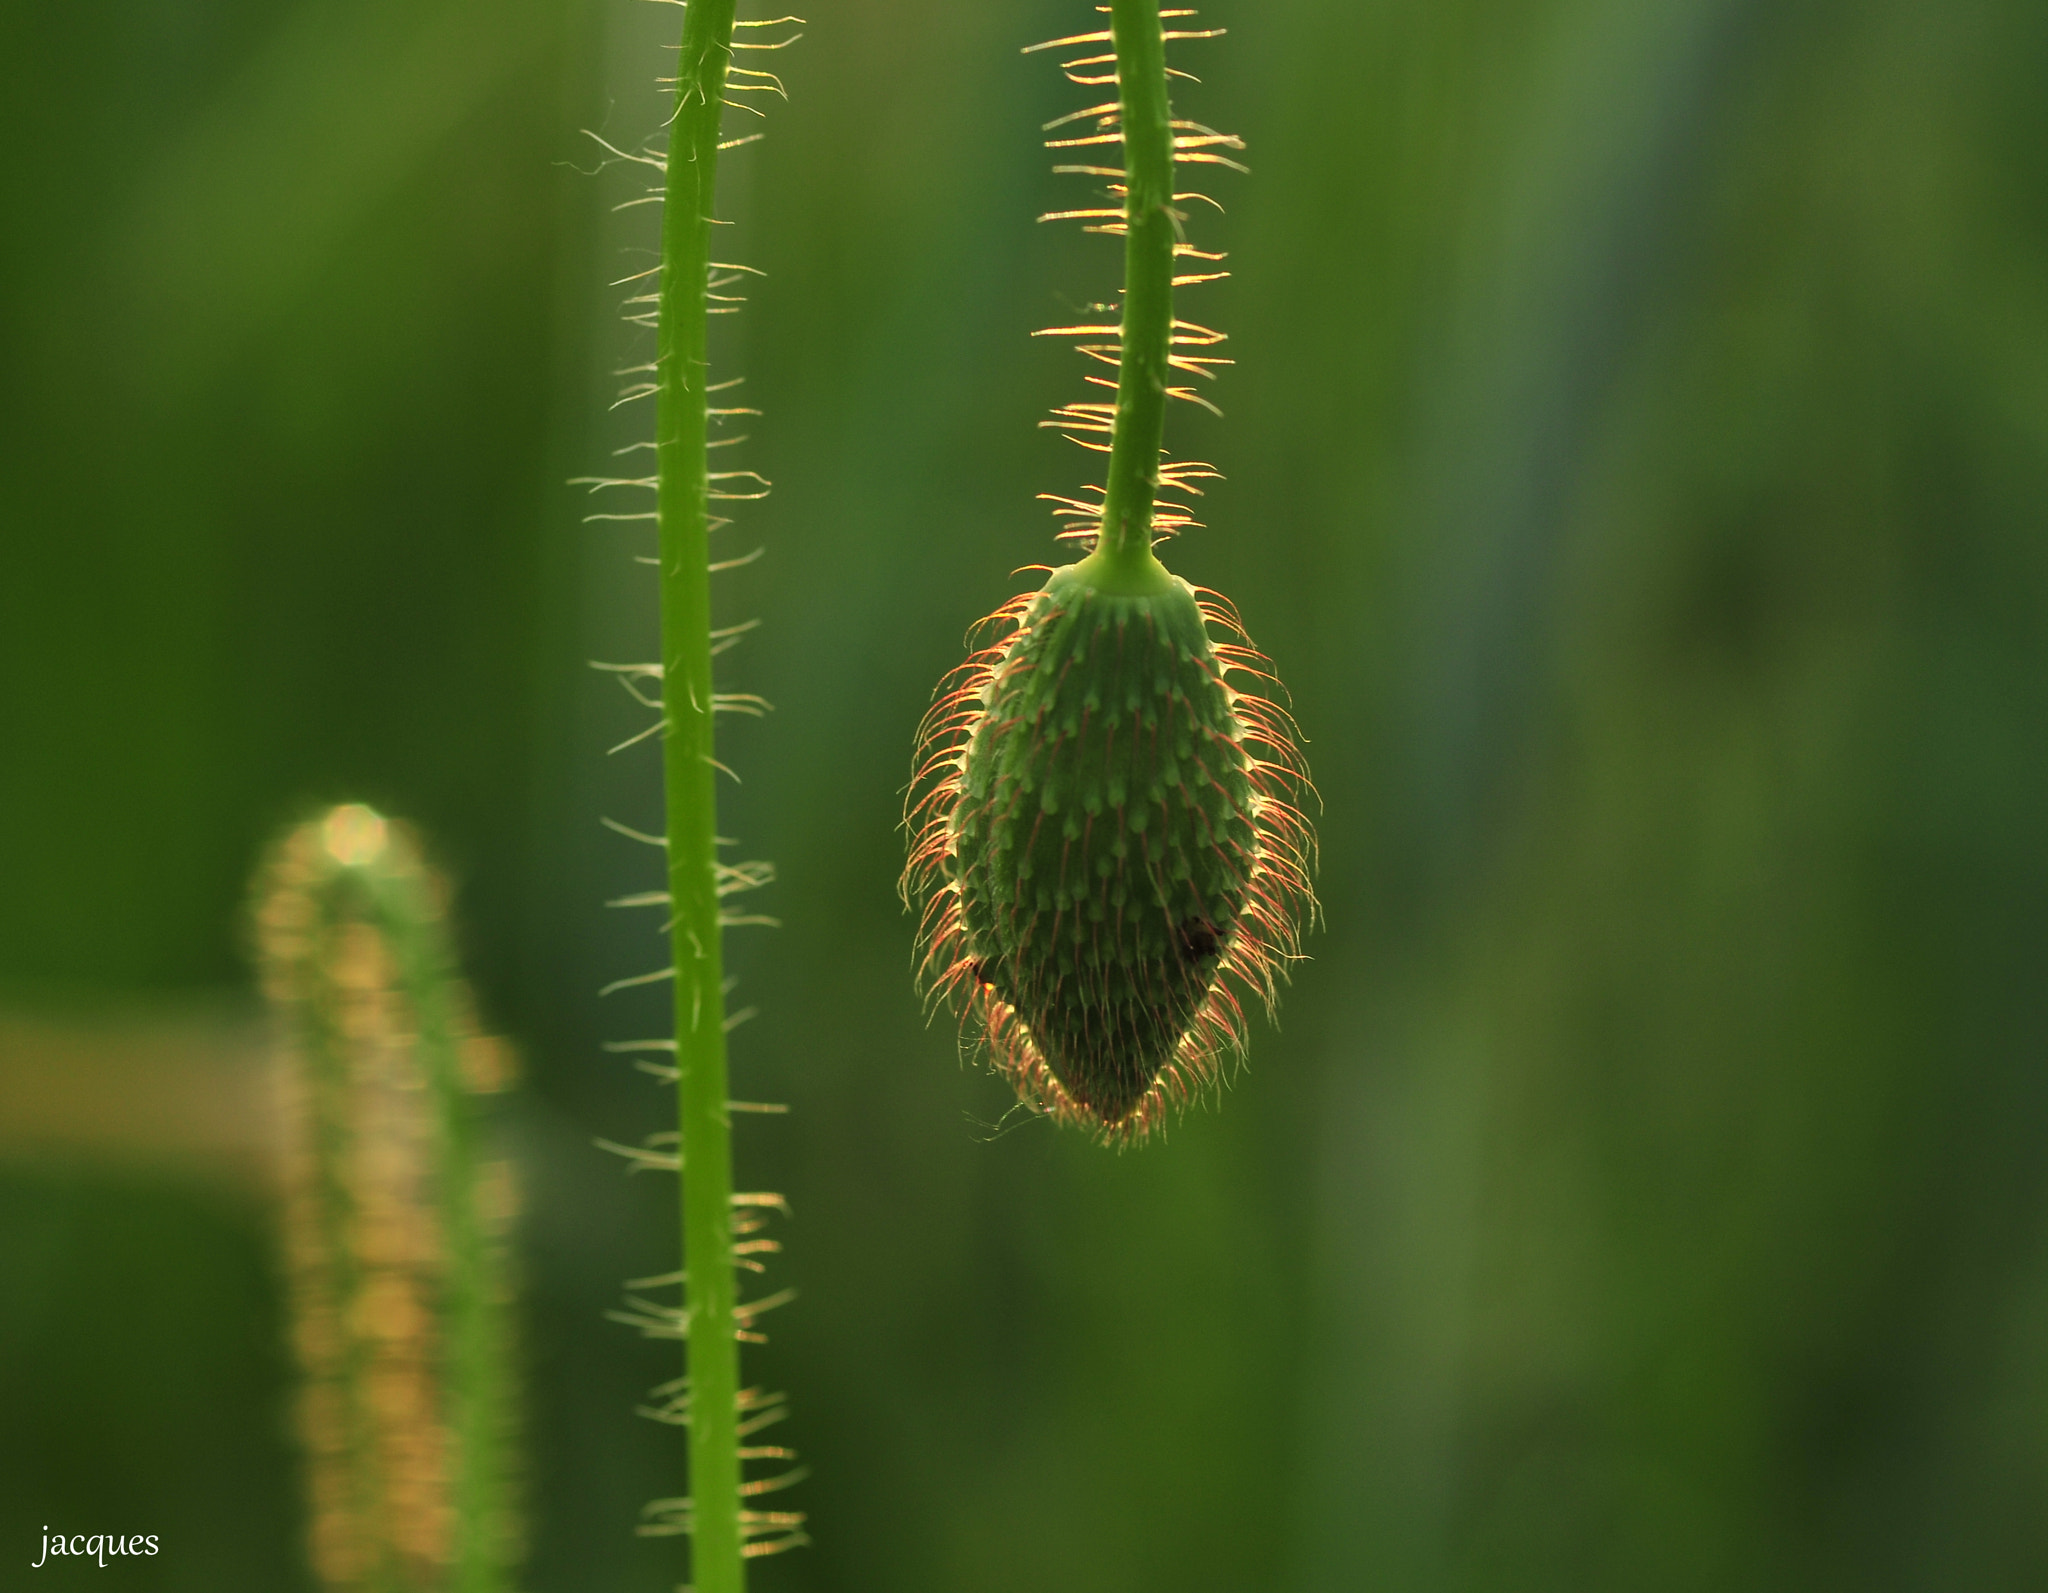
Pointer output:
x,y
1107,843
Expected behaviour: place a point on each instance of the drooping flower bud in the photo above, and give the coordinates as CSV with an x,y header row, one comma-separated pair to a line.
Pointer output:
x,y
1108,845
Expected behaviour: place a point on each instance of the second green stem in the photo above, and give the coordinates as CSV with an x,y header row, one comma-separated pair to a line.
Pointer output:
x,y
717,1565
1124,548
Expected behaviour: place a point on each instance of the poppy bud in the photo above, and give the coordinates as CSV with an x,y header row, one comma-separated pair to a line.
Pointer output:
x,y
1107,844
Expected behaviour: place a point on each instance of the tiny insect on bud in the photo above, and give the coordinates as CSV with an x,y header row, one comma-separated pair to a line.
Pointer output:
x,y
1106,843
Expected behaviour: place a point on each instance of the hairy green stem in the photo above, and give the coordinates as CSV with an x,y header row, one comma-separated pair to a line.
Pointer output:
x,y
689,770
394,1218
477,1350
1124,550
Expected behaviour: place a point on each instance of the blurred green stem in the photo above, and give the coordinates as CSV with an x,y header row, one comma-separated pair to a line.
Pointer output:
x,y
477,1351
689,770
1123,552
393,1230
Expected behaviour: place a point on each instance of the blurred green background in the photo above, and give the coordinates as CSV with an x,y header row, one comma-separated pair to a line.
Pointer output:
x,y
1638,466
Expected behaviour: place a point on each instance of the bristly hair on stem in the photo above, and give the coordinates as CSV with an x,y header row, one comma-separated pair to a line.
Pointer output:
x,y
721,1228
1152,352
1108,844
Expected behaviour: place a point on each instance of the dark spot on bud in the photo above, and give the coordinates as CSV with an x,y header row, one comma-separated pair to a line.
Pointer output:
x,y
1198,942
